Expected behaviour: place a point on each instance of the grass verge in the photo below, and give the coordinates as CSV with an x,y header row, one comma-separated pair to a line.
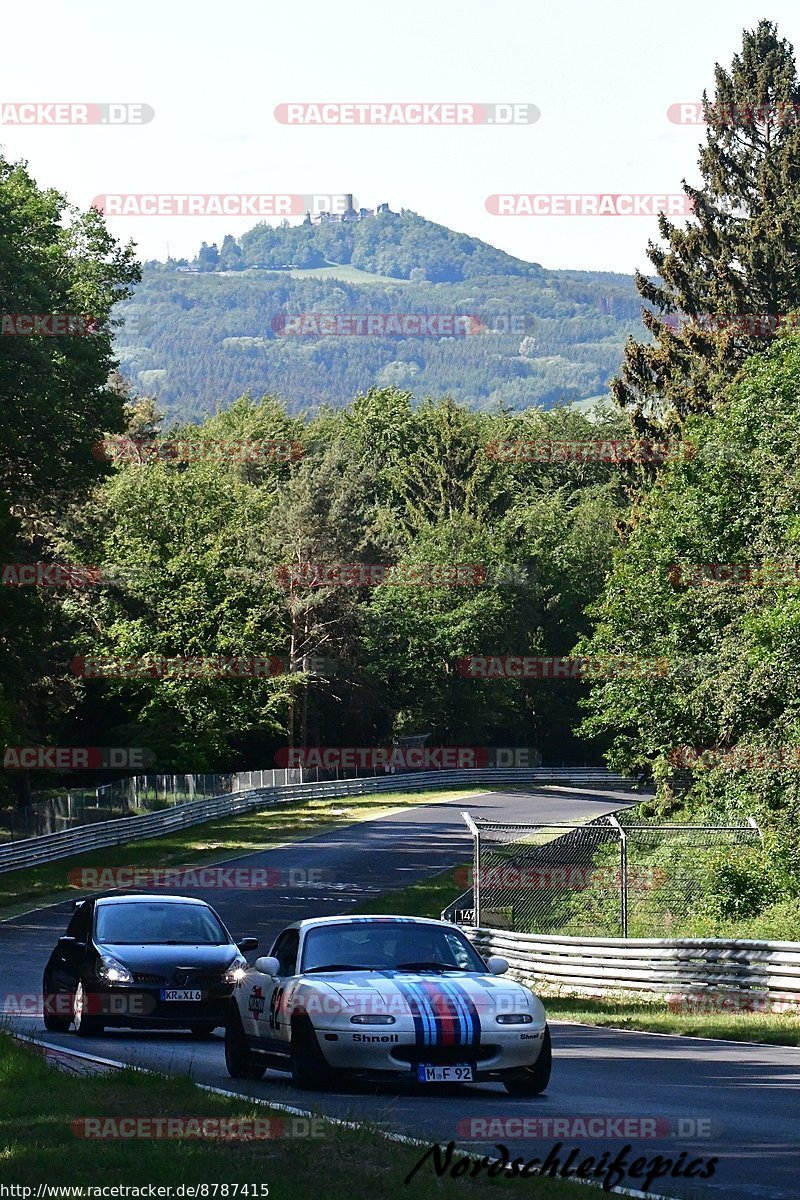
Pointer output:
x,y
213,842
431,897
39,1104
656,1016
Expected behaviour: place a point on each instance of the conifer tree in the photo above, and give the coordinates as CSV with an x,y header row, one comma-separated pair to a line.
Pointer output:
x,y
736,258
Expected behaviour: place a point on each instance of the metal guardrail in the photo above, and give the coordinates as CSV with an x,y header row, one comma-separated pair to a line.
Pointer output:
x,y
688,968
101,834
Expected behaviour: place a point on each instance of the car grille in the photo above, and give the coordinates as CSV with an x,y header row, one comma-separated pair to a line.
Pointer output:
x,y
443,1056
190,981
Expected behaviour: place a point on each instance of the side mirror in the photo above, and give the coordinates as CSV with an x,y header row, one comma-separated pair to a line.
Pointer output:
x,y
67,940
248,943
268,966
497,965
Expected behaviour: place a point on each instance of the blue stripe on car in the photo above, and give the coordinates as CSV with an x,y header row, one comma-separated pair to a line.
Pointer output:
x,y
467,1011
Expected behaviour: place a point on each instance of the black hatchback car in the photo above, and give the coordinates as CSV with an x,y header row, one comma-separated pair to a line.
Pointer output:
x,y
143,961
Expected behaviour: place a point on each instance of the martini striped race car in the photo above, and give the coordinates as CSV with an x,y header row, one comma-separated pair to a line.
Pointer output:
x,y
386,998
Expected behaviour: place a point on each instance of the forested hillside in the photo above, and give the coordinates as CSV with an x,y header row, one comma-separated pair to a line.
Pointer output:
x,y
196,338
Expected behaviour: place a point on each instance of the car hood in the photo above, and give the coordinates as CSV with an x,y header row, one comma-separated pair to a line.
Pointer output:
x,y
402,991
165,960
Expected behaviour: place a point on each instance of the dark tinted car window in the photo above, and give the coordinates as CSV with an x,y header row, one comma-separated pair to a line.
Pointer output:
x,y
285,950
386,945
158,924
81,922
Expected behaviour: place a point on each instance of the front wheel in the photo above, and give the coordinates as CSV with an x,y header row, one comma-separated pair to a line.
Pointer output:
x,y
53,1004
535,1078
85,1026
239,1058
310,1071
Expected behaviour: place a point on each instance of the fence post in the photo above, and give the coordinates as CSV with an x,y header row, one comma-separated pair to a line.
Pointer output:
x,y
476,867
623,873
753,823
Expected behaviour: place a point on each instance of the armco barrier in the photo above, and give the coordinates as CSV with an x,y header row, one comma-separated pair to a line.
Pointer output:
x,y
684,967
52,846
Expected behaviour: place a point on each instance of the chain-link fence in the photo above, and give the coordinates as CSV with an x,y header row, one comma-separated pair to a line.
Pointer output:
x,y
131,797
610,877
140,794
51,812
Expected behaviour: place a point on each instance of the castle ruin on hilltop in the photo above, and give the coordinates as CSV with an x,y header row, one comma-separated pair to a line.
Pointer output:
x,y
348,215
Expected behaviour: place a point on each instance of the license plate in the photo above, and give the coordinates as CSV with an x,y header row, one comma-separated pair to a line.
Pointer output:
x,y
459,1073
181,994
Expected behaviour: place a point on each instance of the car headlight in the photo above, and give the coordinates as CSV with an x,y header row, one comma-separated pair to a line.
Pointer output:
x,y
111,971
236,971
373,1019
514,1019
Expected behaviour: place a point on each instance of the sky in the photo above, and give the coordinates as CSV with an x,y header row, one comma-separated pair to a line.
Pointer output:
x,y
602,77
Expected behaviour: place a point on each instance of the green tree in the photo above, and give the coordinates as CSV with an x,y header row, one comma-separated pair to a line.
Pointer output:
x,y
739,253
207,257
231,257
734,647
56,404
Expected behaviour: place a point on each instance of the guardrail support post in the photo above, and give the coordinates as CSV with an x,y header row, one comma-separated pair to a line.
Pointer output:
x,y
623,873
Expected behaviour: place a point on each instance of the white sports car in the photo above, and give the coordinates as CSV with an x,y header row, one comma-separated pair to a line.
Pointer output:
x,y
388,998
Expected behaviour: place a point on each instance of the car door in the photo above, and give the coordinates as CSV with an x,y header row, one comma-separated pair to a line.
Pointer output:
x,y
70,952
279,1004
261,995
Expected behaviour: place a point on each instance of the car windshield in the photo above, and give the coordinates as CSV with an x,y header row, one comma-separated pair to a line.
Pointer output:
x,y
388,946
158,925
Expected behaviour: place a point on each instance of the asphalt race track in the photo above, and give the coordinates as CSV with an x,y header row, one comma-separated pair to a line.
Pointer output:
x,y
738,1101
